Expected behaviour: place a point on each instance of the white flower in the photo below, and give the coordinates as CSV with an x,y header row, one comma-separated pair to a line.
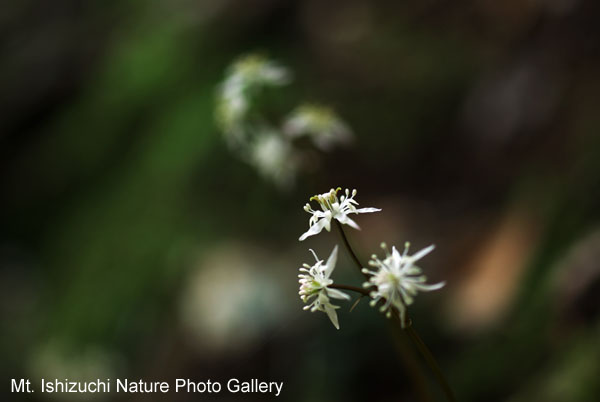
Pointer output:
x,y
274,158
397,280
333,208
232,106
254,70
320,123
314,285
245,76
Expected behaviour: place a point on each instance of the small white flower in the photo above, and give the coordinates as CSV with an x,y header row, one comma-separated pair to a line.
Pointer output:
x,y
314,285
397,280
244,76
333,207
320,123
255,69
232,106
274,158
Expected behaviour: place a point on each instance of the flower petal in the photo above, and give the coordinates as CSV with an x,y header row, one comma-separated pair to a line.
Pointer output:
x,y
343,218
367,210
315,229
331,261
396,256
428,288
422,253
332,315
337,294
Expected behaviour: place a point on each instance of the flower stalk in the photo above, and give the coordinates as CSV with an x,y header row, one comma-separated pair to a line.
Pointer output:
x,y
431,362
406,325
350,251
392,282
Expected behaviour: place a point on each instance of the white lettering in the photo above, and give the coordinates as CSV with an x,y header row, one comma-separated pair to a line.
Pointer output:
x,y
197,387
20,387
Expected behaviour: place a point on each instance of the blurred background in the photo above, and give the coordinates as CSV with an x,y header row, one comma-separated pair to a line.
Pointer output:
x,y
135,244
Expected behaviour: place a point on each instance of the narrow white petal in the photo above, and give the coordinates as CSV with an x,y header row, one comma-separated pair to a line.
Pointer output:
x,y
347,221
367,210
331,261
422,253
427,288
332,315
314,229
412,270
337,294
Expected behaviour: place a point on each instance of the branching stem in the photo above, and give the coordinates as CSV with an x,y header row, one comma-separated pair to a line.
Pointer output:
x,y
431,362
408,328
350,251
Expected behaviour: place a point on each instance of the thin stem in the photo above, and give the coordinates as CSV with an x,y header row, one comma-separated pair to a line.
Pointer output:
x,y
350,251
412,333
362,291
433,365
408,357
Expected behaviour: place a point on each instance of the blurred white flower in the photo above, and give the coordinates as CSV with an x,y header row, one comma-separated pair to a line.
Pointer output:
x,y
320,123
255,69
274,158
314,285
232,106
245,75
232,296
333,207
397,280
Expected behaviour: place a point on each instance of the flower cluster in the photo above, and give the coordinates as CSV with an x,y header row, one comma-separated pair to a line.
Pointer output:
x,y
266,145
319,123
397,280
393,281
245,77
333,207
314,287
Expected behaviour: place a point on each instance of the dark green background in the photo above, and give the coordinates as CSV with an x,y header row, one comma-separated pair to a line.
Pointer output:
x,y
115,182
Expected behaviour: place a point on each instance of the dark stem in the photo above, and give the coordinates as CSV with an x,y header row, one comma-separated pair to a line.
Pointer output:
x,y
433,365
412,333
410,359
350,251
